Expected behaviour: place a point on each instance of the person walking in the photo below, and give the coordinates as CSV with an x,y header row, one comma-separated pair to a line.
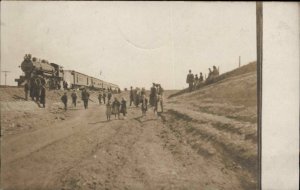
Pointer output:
x,y
85,98
43,95
123,109
104,97
64,99
37,89
131,96
100,98
153,94
144,106
32,89
109,95
108,110
116,108
159,105
74,98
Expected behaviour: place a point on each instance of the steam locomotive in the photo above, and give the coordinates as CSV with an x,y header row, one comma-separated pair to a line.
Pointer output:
x,y
53,76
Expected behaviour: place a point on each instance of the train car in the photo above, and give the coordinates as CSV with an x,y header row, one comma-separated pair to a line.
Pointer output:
x,y
79,80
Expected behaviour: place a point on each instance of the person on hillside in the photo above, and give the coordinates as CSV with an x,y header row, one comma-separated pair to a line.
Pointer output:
x,y
190,80
196,81
108,110
74,98
144,105
64,99
100,98
215,72
85,98
116,108
201,78
210,76
131,96
123,109
43,95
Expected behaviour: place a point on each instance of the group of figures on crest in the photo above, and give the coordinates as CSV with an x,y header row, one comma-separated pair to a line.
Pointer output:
x,y
196,82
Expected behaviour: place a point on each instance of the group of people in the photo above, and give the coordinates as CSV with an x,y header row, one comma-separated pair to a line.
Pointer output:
x,y
102,96
138,97
36,90
195,82
116,108
85,96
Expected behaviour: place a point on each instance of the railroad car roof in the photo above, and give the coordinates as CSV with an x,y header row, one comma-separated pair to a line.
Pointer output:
x,y
113,85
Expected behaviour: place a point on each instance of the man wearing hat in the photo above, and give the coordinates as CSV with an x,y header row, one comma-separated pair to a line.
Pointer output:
x,y
190,80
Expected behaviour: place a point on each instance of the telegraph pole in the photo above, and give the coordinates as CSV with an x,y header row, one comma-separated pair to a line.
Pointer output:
x,y
239,61
259,47
5,74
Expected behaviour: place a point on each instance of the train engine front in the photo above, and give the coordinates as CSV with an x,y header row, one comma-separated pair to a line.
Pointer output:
x,y
49,73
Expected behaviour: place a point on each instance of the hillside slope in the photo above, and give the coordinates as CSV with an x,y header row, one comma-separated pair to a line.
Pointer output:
x,y
219,121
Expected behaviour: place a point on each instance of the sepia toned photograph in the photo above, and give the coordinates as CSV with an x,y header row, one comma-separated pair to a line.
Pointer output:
x,y
130,95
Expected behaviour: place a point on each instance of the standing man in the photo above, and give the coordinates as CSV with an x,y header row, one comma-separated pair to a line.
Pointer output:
x,y
100,97
43,95
74,98
104,97
85,97
37,89
190,80
153,95
131,97
109,95
26,88
32,89
201,78
160,95
64,99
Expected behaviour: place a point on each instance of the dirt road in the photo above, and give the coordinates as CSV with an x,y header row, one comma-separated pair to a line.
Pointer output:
x,y
84,151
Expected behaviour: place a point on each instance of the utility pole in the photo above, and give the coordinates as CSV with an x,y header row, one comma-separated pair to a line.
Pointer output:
x,y
239,61
259,48
5,74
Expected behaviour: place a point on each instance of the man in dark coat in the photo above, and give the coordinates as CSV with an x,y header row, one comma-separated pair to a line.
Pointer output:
x,y
131,96
201,78
85,98
37,89
100,98
190,80
153,94
32,89
104,97
74,98
109,95
43,95
26,89
64,99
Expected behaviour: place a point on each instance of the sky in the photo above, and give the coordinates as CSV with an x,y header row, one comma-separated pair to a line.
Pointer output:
x,y
129,43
